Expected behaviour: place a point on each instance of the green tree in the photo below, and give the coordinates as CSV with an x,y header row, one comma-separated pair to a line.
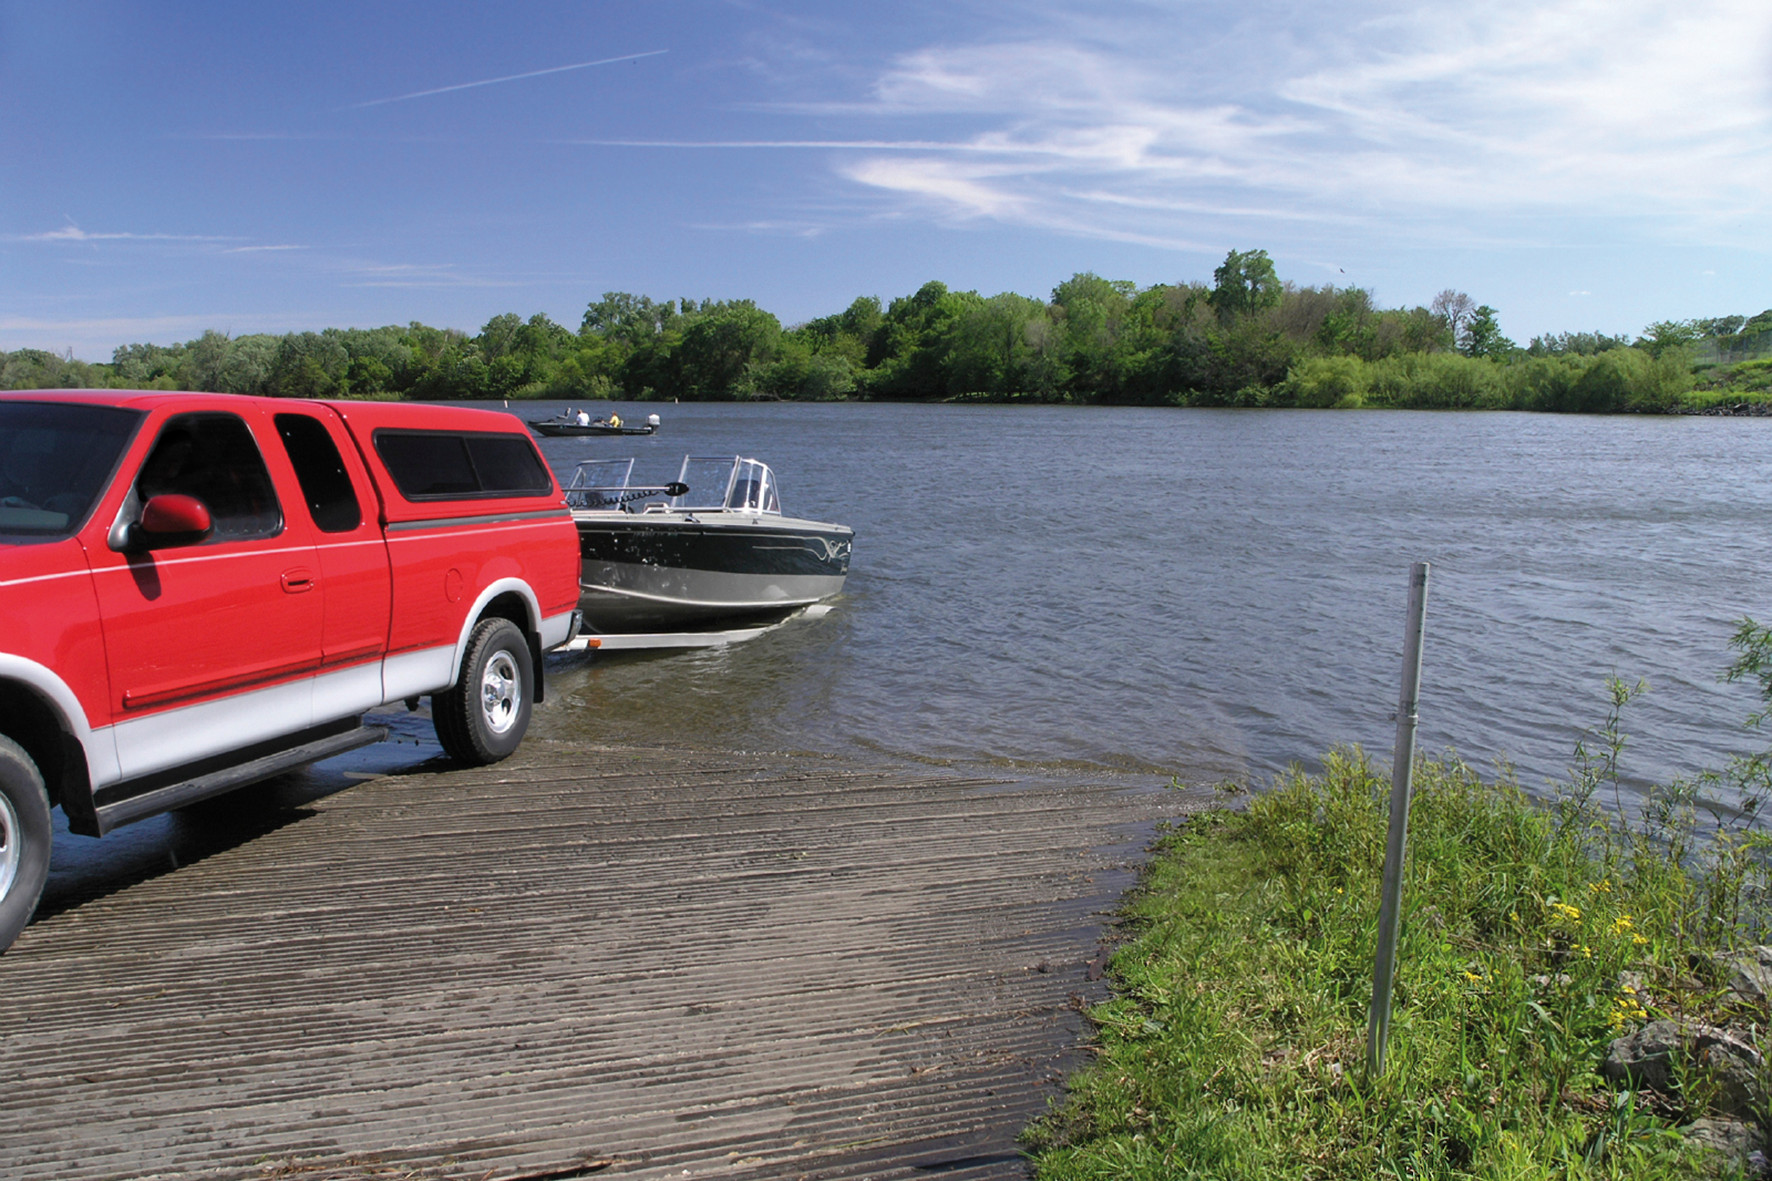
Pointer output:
x,y
1090,352
309,365
632,319
1482,335
914,340
1663,335
1245,283
723,349
992,345
149,366
247,367
37,369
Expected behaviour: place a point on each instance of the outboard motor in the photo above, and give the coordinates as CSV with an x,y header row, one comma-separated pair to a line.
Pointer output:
x,y
652,420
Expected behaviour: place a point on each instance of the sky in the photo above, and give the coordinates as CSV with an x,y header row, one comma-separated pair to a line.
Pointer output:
x,y
170,168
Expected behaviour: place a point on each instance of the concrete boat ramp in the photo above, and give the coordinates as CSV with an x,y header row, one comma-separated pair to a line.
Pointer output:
x,y
581,962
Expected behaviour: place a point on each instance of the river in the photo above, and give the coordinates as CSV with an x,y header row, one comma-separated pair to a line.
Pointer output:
x,y
1217,594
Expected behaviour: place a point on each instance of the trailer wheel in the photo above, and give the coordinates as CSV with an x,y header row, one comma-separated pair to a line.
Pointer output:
x,y
484,717
24,839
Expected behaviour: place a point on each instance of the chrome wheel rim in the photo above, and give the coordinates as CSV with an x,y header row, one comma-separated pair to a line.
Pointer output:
x,y
500,693
10,846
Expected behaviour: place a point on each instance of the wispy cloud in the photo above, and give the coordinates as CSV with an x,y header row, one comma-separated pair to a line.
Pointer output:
x,y
73,233
862,145
1446,122
604,61
358,273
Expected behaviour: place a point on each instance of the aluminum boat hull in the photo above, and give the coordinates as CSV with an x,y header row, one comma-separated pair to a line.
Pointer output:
x,y
658,571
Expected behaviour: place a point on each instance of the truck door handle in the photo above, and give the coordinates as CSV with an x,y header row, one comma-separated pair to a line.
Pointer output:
x,y
298,580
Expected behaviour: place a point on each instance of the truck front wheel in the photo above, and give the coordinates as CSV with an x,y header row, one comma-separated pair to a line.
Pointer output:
x,y
483,718
24,839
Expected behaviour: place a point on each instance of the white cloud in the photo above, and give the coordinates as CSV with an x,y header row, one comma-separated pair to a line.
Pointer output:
x,y
1477,122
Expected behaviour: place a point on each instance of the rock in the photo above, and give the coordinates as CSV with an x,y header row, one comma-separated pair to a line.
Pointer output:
x,y
1739,1142
1645,1059
1734,1067
1749,973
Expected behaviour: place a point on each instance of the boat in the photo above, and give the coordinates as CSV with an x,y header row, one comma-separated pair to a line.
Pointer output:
x,y
580,423
711,549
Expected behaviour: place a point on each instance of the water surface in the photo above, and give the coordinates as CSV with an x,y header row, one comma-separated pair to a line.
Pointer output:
x,y
1216,594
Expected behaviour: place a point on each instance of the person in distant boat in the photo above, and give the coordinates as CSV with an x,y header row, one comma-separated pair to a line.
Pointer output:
x,y
615,420
584,419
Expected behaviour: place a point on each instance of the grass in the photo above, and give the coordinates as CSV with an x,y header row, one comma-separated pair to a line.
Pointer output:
x,y
1744,381
1534,934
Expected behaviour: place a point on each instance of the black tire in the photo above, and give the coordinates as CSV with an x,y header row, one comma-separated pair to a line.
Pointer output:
x,y
484,717
25,834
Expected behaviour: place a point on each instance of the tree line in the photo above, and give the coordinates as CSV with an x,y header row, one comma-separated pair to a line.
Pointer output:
x,y
1245,339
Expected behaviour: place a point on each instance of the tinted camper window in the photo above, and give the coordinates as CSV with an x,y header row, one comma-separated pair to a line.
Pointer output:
x,y
441,465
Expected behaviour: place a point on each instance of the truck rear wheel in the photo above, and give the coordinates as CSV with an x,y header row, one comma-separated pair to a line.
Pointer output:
x,y
24,839
484,717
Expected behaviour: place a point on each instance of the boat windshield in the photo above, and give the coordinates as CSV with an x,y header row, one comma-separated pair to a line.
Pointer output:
x,y
598,483
727,482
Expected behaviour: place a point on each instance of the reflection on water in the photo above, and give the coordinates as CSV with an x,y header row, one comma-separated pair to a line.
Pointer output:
x,y
682,698
1218,593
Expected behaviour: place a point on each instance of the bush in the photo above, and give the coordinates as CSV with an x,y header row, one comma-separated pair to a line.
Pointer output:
x,y
1328,381
1438,381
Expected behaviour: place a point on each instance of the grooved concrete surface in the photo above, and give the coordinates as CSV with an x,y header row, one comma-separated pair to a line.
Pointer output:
x,y
581,962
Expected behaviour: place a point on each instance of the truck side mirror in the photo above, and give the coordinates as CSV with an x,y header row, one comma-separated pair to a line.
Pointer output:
x,y
172,519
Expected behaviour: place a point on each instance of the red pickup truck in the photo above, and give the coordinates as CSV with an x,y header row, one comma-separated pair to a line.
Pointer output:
x,y
199,591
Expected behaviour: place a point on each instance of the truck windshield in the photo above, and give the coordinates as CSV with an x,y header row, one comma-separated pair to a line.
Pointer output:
x,y
55,458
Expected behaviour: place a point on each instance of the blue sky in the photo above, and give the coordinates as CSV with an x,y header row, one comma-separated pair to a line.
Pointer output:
x,y
175,167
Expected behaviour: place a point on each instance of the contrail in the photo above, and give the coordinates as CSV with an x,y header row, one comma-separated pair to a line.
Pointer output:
x,y
400,98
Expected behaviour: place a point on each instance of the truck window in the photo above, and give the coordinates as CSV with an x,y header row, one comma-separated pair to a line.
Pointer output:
x,y
54,461
320,470
508,465
213,458
440,465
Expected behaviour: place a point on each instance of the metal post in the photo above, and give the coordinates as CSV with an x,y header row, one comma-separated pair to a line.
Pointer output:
x,y
1402,773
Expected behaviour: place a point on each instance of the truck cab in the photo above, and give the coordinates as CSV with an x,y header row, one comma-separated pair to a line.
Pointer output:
x,y
198,591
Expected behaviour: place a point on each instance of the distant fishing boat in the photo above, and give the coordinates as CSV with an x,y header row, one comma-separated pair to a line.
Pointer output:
x,y
581,423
